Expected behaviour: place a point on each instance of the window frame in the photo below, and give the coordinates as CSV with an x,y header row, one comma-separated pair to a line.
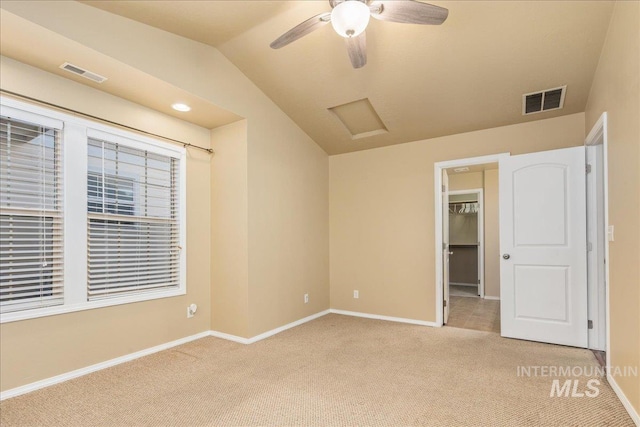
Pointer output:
x,y
76,132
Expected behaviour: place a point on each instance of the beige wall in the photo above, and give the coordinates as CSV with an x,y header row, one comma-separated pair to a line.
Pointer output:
x,y
229,230
32,350
382,213
465,181
463,265
463,228
491,235
288,227
616,90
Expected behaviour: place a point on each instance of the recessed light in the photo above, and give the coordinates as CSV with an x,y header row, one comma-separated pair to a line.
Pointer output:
x,y
464,169
181,107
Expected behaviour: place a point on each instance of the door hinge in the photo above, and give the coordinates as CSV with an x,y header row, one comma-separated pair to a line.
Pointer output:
x,y
444,188
588,168
589,324
478,281
444,303
589,246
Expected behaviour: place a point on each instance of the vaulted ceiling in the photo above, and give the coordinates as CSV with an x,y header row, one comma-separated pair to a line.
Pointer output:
x,y
422,81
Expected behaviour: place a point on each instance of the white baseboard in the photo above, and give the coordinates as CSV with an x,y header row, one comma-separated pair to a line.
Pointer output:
x,y
492,298
287,326
471,285
623,399
388,318
98,366
267,334
229,337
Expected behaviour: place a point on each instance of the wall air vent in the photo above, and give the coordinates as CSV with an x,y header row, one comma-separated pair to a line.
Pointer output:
x,y
83,73
546,100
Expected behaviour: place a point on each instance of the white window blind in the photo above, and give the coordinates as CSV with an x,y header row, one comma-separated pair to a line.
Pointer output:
x,y
133,220
31,252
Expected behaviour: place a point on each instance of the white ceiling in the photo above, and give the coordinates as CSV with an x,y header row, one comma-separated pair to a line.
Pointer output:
x,y
423,81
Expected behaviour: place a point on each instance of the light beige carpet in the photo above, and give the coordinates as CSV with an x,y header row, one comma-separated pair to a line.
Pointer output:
x,y
335,371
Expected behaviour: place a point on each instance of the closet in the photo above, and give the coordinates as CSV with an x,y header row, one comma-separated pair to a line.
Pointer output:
x,y
464,245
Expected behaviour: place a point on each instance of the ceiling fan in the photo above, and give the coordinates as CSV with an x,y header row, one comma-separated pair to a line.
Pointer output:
x,y
350,19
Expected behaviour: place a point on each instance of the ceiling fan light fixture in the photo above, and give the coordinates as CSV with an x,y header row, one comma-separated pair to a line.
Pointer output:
x,y
350,18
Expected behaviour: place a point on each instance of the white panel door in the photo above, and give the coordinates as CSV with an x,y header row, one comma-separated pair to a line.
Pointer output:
x,y
543,273
445,244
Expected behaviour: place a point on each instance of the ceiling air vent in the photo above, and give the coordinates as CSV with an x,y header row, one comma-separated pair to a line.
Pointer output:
x,y
546,100
82,72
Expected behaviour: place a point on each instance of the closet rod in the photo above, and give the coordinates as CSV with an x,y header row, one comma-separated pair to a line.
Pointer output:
x,y
69,110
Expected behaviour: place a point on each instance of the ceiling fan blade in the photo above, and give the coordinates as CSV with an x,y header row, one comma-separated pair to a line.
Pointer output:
x,y
408,11
357,48
301,30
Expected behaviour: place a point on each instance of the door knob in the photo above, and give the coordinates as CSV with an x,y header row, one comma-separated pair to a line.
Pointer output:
x,y
450,253
506,256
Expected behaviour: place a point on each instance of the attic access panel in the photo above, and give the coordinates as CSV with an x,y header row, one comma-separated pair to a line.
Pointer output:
x,y
359,118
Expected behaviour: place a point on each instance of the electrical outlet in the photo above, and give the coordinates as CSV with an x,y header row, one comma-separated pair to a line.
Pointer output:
x,y
306,298
610,233
356,294
191,310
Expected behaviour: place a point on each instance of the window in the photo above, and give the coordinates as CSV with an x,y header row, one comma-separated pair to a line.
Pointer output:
x,y
30,216
109,194
133,220
122,213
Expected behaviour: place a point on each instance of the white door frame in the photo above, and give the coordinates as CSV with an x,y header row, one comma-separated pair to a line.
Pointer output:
x,y
437,179
446,250
479,192
598,309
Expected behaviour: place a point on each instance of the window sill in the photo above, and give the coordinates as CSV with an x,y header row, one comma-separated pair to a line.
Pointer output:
x,y
63,309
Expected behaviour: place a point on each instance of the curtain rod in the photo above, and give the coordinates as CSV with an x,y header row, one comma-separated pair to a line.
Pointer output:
x,y
184,144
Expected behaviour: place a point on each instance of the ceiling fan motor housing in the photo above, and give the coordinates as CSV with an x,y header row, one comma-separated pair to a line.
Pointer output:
x,y
350,18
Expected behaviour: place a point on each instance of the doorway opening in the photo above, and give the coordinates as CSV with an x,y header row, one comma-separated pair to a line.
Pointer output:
x,y
468,248
468,308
